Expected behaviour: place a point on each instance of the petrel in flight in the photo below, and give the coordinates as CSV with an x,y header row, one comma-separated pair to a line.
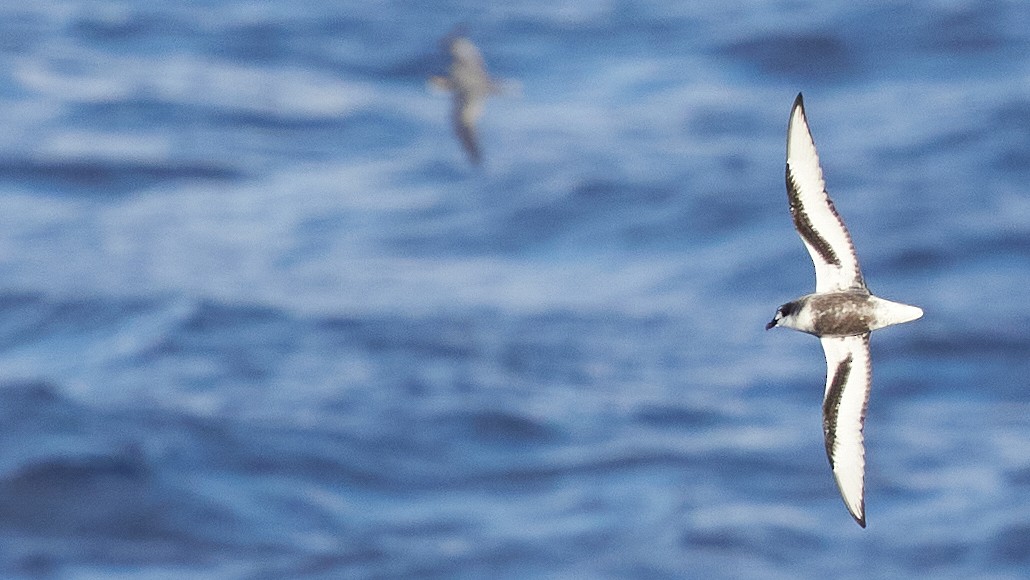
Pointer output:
x,y
469,85
842,312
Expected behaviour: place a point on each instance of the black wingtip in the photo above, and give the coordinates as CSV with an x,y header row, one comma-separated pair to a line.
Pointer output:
x,y
459,30
796,111
859,517
799,103
474,155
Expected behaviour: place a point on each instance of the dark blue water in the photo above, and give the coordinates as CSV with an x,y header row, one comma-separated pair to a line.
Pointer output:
x,y
260,319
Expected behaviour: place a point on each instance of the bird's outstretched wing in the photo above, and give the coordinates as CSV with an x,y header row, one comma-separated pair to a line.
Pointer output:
x,y
848,374
467,109
470,84
815,218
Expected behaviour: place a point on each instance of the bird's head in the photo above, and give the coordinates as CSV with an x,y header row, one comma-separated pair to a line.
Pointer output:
x,y
784,315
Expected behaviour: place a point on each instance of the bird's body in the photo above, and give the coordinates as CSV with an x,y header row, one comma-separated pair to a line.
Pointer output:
x,y
845,313
841,312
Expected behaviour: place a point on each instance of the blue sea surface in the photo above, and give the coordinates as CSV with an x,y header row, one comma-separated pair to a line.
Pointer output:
x,y
260,318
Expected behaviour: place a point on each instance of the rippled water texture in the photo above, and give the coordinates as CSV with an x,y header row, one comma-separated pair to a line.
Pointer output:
x,y
259,318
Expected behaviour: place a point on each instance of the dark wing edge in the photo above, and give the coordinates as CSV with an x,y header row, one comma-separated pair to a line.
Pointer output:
x,y
848,380
816,219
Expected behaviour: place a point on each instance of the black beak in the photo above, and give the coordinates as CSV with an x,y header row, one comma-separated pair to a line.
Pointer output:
x,y
771,324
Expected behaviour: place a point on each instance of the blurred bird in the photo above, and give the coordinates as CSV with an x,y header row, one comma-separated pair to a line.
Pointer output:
x,y
841,312
469,85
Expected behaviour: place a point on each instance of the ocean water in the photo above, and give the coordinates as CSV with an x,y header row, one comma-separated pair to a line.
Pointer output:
x,y
259,318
